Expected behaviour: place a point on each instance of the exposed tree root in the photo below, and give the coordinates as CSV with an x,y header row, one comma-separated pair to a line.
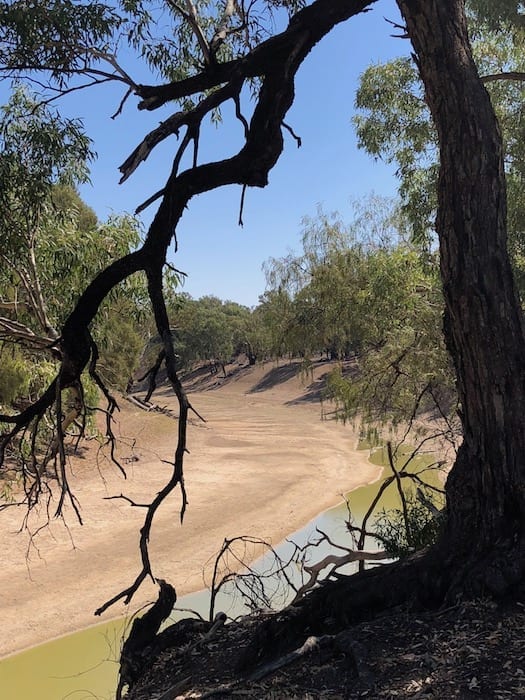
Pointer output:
x,y
426,580
335,605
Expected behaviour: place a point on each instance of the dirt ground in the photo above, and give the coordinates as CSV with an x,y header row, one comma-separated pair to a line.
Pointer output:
x,y
467,651
263,463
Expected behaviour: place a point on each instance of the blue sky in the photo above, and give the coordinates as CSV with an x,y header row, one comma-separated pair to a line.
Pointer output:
x,y
218,256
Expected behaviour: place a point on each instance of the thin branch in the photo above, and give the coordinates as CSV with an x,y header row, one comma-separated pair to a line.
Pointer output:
x,y
122,103
241,207
191,17
128,500
400,492
504,75
150,200
293,134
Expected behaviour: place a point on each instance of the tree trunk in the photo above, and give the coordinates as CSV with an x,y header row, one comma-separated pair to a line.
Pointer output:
x,y
483,541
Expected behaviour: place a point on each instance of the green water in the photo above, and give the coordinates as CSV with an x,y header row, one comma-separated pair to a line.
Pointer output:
x,y
84,665
81,666
78,666
361,498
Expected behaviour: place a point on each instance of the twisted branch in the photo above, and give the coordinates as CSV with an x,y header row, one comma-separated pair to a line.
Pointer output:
x,y
276,61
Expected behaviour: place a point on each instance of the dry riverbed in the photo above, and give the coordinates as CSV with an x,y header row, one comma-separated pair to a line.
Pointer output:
x,y
263,464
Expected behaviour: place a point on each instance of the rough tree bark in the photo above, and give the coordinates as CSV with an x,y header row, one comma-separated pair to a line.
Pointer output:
x,y
481,549
483,542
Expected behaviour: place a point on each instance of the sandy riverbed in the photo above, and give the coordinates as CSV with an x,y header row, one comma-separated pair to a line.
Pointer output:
x,y
264,464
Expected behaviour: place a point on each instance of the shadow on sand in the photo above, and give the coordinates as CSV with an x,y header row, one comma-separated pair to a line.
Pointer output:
x,y
275,376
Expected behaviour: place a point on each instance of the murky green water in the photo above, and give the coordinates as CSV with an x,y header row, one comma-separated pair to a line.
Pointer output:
x,y
84,665
81,666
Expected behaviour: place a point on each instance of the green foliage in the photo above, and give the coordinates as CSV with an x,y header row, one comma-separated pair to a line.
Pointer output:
x,y
51,243
60,36
14,378
423,526
209,329
67,37
409,370
393,122
23,375
350,288
498,14
38,150
362,294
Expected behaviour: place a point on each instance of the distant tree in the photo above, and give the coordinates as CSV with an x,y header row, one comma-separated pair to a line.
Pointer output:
x,y
352,286
208,329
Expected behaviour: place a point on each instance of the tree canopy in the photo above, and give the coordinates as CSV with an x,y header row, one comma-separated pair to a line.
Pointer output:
x,y
393,121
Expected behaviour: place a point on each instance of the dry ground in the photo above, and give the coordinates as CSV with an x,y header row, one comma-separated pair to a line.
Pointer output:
x,y
263,464
472,650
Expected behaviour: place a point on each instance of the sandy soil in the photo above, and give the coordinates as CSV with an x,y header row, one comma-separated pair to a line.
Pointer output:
x,y
264,464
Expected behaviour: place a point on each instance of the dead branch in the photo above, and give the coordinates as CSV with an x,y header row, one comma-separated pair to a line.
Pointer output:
x,y
276,62
336,562
260,589
143,632
400,492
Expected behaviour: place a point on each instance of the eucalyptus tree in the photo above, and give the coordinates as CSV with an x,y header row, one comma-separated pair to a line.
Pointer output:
x,y
393,121
50,243
208,329
206,57
351,284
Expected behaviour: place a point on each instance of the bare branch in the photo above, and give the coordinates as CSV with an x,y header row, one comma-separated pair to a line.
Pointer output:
x,y
122,103
128,500
150,200
16,332
505,75
293,134
336,562
400,492
241,207
171,126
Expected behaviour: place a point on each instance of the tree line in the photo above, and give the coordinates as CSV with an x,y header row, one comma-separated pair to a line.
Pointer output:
x,y
367,289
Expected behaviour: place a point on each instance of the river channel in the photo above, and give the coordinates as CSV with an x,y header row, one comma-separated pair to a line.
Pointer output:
x,y
84,665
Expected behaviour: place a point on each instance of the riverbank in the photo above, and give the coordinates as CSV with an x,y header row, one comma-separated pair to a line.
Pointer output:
x,y
263,463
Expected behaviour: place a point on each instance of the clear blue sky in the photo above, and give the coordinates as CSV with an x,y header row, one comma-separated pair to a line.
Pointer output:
x,y
219,257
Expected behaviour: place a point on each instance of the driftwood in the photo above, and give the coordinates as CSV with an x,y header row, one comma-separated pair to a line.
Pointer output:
x,y
148,406
336,562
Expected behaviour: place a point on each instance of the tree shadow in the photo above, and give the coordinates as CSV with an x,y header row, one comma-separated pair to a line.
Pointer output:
x,y
277,375
313,391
